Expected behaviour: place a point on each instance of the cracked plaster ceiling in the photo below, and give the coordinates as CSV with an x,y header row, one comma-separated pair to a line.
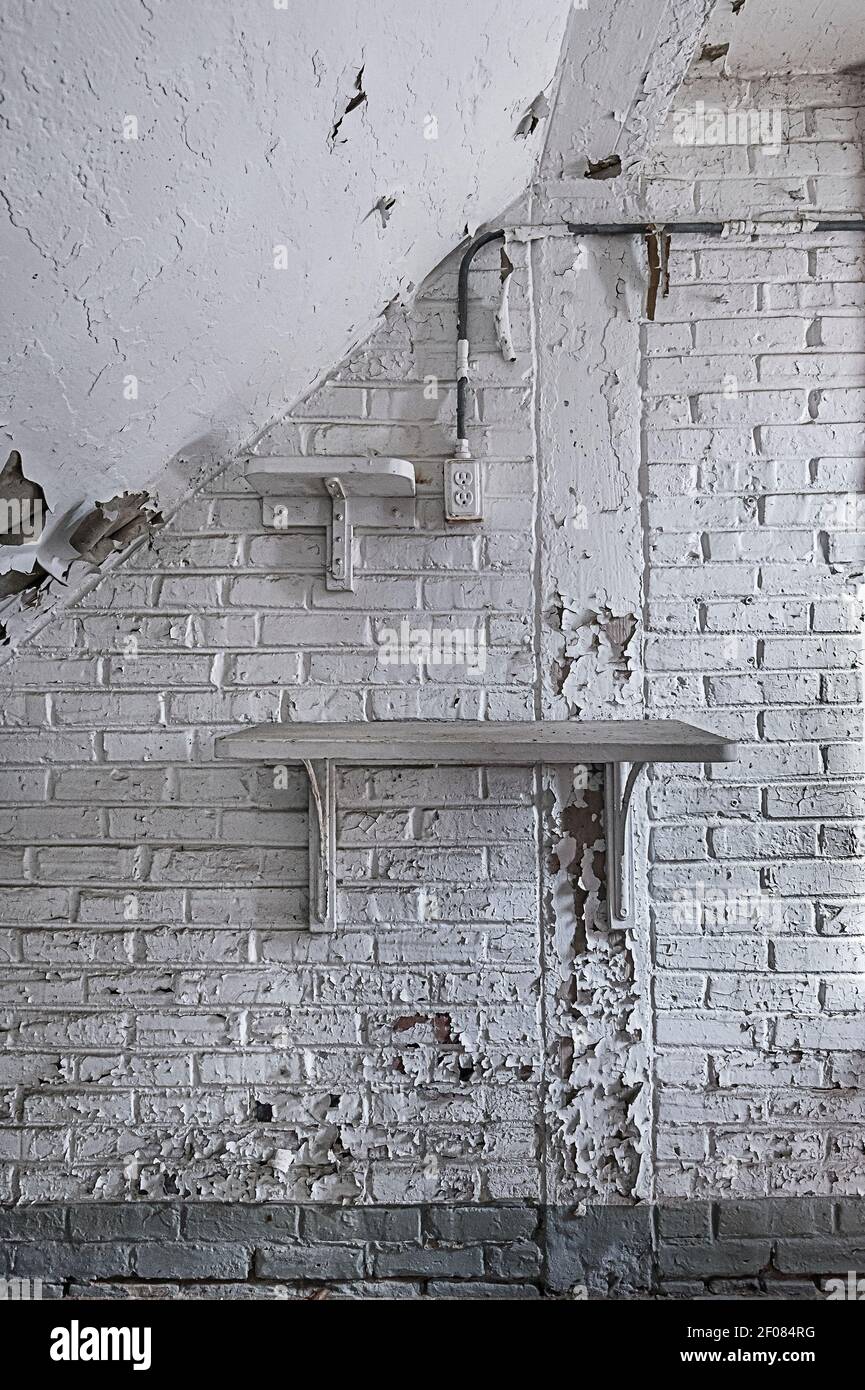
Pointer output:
x,y
205,207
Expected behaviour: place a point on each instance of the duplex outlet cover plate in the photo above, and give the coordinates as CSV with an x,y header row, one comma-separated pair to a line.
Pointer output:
x,y
464,495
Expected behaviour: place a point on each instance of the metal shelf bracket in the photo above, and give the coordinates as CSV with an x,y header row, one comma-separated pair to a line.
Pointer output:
x,y
338,493
619,781
322,844
340,569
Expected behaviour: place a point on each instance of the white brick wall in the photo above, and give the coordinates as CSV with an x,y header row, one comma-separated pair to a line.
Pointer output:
x,y
169,1025
753,411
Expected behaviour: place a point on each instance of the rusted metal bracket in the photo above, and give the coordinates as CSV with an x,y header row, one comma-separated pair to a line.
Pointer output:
x,y
322,844
658,242
619,780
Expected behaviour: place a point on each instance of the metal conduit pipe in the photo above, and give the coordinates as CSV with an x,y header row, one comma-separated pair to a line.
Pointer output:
x,y
578,229
462,448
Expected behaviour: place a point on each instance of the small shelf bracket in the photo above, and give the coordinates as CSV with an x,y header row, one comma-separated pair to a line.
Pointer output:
x,y
619,781
322,844
340,568
335,493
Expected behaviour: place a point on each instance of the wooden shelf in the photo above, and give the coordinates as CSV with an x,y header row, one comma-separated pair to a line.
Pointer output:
x,y
425,743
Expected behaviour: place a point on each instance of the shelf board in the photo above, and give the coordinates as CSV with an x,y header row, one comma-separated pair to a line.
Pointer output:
x,y
431,743
307,476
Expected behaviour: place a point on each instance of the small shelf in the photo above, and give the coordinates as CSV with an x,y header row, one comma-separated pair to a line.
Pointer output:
x,y
427,743
336,492
308,475
623,746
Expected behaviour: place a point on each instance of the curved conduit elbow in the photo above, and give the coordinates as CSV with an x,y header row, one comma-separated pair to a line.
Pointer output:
x,y
462,448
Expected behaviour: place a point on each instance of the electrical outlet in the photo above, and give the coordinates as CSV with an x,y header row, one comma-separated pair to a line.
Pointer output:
x,y
464,494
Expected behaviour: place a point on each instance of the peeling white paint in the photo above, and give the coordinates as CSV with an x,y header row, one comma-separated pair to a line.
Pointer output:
x,y
597,1096
503,317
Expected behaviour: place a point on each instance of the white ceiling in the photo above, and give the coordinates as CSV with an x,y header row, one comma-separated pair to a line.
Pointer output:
x,y
153,257
147,264
787,36
162,156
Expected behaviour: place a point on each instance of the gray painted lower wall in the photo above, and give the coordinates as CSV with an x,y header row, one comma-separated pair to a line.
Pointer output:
x,y
773,1248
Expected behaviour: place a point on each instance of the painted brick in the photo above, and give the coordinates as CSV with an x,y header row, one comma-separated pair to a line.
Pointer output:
x,y
167,1260
308,1262
223,1222
464,1263
131,1221
365,1223
142,873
